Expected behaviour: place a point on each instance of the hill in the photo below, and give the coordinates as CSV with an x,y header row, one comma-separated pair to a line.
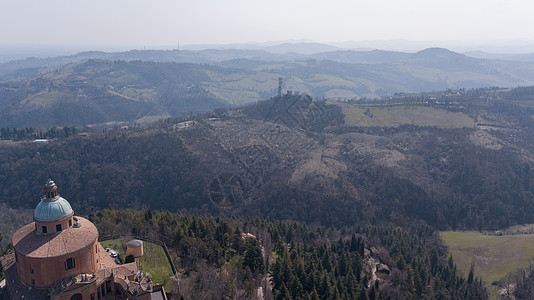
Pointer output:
x,y
102,91
143,86
390,171
461,163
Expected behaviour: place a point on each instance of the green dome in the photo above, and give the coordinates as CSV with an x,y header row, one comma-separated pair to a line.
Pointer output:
x,y
52,209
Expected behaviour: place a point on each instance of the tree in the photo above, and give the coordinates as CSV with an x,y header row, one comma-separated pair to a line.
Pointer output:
x,y
471,273
253,257
284,293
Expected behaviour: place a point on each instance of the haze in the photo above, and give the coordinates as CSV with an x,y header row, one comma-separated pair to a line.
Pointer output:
x,y
127,23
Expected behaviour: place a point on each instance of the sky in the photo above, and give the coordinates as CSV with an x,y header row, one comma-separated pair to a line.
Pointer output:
x,y
136,23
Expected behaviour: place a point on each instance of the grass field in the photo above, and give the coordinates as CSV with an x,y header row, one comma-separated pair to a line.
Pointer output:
x,y
45,99
154,260
388,116
494,256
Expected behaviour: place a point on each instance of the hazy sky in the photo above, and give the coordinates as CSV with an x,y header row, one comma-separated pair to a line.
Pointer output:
x,y
165,22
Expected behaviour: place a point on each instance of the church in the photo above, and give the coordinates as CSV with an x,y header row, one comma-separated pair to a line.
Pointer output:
x,y
58,256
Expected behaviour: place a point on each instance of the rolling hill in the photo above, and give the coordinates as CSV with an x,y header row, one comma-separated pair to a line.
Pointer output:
x,y
142,86
461,163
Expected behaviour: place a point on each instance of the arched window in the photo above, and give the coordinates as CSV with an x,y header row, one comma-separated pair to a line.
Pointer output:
x,y
76,297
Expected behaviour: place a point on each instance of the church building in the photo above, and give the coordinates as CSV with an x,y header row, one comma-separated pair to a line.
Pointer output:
x,y
58,256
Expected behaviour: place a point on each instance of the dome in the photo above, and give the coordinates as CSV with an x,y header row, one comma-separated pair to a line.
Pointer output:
x,y
134,243
52,209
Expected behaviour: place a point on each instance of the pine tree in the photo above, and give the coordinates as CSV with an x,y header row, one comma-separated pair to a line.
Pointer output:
x,y
471,273
284,293
313,294
253,257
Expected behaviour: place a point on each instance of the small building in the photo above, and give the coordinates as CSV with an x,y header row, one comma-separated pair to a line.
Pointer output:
x,y
58,256
134,248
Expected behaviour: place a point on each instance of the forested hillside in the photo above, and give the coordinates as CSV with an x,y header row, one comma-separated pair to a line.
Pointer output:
x,y
233,258
100,91
292,157
343,198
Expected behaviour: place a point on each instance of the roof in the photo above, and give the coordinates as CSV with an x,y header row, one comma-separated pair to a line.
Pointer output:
x,y
134,243
26,242
52,209
50,183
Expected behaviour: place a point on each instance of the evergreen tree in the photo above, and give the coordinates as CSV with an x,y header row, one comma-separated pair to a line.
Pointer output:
x,y
253,257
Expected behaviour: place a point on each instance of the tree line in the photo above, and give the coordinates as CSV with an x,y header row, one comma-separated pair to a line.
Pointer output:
x,y
28,133
233,257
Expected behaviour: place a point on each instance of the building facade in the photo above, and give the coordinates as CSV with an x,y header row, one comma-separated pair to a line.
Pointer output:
x,y
58,256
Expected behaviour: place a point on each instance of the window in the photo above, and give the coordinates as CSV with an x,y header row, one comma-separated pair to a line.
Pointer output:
x,y
70,223
33,282
70,264
93,296
44,229
58,227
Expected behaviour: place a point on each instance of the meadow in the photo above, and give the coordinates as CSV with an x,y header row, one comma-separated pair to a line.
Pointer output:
x,y
494,256
403,114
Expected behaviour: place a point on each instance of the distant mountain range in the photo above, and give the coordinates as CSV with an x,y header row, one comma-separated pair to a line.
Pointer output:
x,y
528,57
100,87
266,51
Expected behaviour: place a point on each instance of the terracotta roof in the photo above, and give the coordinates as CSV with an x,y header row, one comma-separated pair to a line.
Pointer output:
x,y
106,261
26,242
125,270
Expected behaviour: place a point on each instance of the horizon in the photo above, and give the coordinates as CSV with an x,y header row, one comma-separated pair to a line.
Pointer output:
x,y
126,24
9,52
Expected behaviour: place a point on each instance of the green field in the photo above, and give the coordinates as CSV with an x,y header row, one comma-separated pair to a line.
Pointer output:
x,y
494,256
387,116
395,115
154,260
45,99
